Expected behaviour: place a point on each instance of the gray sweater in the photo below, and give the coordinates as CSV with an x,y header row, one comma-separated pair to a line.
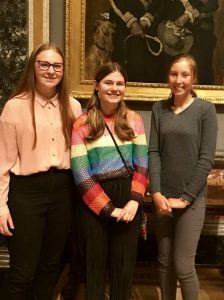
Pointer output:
x,y
182,148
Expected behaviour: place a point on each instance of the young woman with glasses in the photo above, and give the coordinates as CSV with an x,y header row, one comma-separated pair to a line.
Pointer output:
x,y
36,184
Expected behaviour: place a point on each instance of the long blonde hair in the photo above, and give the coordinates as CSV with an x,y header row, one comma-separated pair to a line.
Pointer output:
x,y
26,85
95,118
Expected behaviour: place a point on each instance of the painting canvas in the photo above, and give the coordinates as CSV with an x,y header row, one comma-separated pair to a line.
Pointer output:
x,y
143,36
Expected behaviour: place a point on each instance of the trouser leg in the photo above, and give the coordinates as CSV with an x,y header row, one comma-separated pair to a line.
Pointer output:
x,y
93,241
40,223
165,234
72,256
123,240
57,227
187,233
25,244
178,236
122,257
106,240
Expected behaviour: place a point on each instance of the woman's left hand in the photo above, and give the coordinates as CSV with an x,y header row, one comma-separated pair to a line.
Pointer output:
x,y
129,211
176,203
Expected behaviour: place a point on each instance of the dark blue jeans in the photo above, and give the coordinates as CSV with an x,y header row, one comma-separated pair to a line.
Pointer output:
x,y
41,208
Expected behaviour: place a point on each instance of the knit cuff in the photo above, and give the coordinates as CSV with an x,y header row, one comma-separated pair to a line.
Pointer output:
x,y
188,197
136,196
107,210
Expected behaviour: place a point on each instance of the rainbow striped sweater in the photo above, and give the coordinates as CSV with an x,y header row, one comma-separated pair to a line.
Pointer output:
x,y
99,161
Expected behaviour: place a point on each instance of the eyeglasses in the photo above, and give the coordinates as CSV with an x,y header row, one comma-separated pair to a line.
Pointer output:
x,y
45,65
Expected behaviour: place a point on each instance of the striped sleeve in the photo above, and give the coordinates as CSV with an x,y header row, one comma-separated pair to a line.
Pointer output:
x,y
140,159
91,191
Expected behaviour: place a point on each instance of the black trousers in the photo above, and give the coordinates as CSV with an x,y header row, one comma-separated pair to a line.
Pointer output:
x,y
106,243
41,206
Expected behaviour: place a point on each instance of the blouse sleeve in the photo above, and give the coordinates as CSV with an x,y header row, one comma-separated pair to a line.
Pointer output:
x,y
8,154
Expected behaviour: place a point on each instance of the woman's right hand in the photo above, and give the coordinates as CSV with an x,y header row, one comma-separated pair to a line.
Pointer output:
x,y
6,224
161,203
116,212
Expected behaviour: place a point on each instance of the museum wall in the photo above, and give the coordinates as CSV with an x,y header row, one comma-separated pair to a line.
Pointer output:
x,y
57,30
14,34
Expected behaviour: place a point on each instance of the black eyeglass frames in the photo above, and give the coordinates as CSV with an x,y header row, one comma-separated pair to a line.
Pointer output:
x,y
45,65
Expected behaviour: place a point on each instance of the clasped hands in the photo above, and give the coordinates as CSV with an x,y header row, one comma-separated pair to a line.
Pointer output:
x,y
165,205
127,213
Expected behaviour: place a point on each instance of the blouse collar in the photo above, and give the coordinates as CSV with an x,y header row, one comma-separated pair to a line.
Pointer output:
x,y
44,101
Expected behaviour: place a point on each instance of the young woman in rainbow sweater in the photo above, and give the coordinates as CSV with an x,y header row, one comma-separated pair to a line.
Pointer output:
x,y
108,214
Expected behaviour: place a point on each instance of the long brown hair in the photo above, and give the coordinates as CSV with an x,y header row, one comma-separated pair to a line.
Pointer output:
x,y
95,118
192,62
26,85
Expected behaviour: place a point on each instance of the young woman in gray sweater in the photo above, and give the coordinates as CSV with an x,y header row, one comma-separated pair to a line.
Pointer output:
x,y
181,154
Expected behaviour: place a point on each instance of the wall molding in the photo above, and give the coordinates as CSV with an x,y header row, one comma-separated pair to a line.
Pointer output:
x,y
38,22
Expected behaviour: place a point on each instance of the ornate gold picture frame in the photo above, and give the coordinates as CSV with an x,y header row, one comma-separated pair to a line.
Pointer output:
x,y
75,45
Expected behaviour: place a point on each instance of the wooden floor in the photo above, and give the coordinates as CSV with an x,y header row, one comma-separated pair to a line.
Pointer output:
x,y
211,282
146,287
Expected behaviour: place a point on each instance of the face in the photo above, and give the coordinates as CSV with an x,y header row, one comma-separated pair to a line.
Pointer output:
x,y
181,79
47,80
110,91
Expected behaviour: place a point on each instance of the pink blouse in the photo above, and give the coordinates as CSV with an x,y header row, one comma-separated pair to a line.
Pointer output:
x,y
17,137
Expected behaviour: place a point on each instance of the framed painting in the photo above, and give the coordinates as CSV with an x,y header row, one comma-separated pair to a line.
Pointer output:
x,y
93,27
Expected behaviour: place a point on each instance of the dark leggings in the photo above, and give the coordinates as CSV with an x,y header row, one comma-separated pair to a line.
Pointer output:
x,y
108,243
40,206
178,236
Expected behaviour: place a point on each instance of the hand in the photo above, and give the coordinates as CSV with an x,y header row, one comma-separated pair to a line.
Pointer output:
x,y
136,29
182,20
177,203
6,224
128,212
161,203
116,212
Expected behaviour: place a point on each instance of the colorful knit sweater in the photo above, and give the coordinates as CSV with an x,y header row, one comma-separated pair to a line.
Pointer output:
x,y
99,160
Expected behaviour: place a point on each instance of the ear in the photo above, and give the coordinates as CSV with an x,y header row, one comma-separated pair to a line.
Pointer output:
x,y
95,85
